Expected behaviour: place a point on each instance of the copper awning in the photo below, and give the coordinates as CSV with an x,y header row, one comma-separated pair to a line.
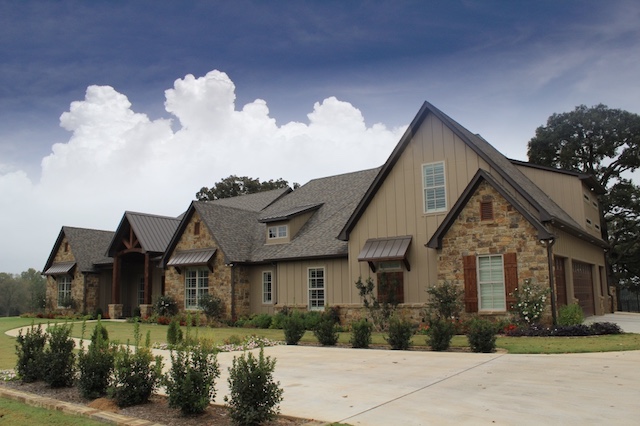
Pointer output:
x,y
192,258
60,268
384,250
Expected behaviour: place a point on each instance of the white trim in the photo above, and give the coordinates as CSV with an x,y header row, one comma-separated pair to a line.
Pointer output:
x,y
438,189
494,282
314,302
277,231
65,282
199,280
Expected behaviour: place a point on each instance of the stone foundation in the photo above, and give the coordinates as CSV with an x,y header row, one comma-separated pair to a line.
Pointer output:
x,y
115,311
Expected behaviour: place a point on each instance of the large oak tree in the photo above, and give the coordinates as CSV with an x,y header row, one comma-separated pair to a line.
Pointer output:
x,y
233,186
605,143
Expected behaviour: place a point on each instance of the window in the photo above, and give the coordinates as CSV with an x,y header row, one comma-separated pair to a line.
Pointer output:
x,y
597,226
316,288
586,197
196,284
435,197
589,223
486,210
64,290
141,290
491,289
267,289
278,231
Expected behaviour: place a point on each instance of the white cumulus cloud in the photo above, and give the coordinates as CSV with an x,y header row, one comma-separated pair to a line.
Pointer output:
x,y
117,159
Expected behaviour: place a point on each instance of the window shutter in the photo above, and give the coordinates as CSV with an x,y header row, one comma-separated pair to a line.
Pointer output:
x,y
470,284
510,278
386,280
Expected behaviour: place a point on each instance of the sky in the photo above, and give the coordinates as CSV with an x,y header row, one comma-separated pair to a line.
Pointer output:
x,y
109,106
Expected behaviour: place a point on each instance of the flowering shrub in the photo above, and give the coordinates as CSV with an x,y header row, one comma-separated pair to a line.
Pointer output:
x,y
236,344
530,302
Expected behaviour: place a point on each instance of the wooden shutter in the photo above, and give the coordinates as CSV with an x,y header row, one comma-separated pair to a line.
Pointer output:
x,y
510,278
470,284
486,210
387,281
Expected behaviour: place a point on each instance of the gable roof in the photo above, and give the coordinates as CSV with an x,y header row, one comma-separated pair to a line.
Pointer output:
x,y
481,175
546,209
588,180
152,231
87,245
334,198
253,202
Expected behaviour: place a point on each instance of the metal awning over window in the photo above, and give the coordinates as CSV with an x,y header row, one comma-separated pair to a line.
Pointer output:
x,y
192,258
390,249
60,268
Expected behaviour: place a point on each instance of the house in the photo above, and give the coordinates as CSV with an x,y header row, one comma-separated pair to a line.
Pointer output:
x,y
446,206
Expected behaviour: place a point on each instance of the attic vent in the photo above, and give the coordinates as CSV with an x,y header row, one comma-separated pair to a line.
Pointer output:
x,y
486,210
196,228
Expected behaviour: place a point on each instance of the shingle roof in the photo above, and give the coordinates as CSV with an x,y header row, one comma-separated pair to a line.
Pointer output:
x,y
153,232
253,202
546,210
87,245
339,195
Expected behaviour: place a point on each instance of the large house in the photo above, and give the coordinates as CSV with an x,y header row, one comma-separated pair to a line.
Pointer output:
x,y
446,206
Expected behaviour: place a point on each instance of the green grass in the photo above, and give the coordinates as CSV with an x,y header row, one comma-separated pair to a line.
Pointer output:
x,y
19,414
8,344
561,345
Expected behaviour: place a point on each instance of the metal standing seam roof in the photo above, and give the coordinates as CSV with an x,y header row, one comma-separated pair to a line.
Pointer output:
x,y
191,257
152,231
60,268
383,249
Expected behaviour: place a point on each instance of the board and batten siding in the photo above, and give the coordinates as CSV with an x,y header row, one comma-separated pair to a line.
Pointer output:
x,y
397,208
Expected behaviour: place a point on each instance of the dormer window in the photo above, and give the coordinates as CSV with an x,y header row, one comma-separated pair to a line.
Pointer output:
x,y
279,231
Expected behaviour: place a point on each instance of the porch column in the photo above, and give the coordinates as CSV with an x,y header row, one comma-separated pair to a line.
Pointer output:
x,y
115,283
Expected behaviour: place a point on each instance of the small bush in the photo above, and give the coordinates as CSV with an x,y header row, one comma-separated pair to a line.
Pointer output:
x,y
261,321
277,320
570,315
440,333
294,328
530,302
59,359
174,333
361,333
399,334
95,365
134,376
311,319
444,301
165,306
571,330
605,328
326,331
211,306
482,335
30,351
191,380
254,396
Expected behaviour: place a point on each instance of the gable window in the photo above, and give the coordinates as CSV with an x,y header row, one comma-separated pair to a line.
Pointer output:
x,y
267,289
316,288
279,231
486,210
489,282
196,284
64,290
435,197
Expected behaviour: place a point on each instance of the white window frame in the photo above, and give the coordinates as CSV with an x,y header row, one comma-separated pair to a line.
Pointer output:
x,y
267,287
317,287
491,276
434,187
64,288
277,231
196,283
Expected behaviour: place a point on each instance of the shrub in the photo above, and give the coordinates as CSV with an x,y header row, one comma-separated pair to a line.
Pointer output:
x,y
444,301
326,331
482,335
134,376
278,319
30,351
58,358
211,306
165,306
570,315
174,333
571,330
261,321
530,302
95,365
191,380
361,333
294,328
380,311
254,396
311,319
440,333
399,334
605,328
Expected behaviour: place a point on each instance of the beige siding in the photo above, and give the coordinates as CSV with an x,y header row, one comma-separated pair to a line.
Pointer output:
x,y
255,291
398,207
293,226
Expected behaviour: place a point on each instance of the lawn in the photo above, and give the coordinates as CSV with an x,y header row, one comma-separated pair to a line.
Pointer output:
x,y
19,414
122,331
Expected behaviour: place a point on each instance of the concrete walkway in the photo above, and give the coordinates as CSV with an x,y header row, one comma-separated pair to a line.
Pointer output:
x,y
383,387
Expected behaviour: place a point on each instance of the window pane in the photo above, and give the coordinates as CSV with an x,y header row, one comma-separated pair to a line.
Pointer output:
x,y
491,283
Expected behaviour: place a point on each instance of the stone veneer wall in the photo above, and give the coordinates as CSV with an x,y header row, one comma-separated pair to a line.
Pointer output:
x,y
219,279
77,281
508,232
242,291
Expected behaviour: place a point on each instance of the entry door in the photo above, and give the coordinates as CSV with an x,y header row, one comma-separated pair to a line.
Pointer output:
x,y
583,287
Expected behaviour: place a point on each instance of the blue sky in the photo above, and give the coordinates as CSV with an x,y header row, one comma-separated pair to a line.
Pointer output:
x,y
334,78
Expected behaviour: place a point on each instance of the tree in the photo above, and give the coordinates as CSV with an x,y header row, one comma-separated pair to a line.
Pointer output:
x,y
604,143
233,186
13,293
36,283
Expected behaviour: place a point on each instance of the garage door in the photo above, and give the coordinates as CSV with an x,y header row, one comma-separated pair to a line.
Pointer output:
x,y
583,287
